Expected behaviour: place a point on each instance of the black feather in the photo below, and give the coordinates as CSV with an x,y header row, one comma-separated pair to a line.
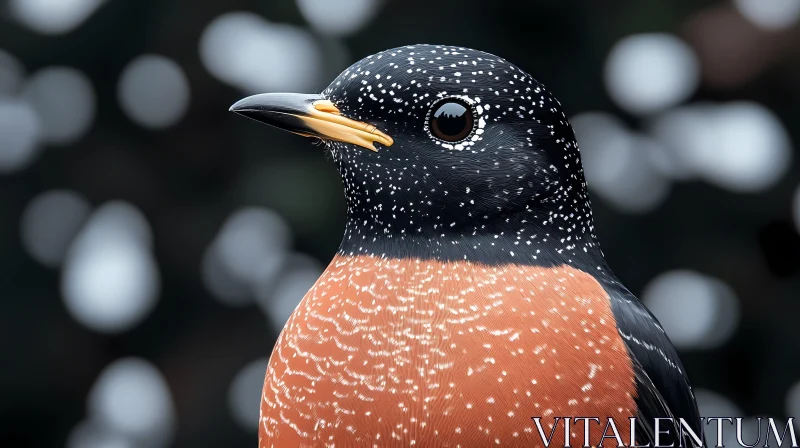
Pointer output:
x,y
662,386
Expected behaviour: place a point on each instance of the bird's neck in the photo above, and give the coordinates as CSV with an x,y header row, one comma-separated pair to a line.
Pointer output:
x,y
543,236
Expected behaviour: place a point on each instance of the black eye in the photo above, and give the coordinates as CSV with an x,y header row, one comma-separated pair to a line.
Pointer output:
x,y
452,120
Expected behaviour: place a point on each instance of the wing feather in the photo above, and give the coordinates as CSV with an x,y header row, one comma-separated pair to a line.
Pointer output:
x,y
662,386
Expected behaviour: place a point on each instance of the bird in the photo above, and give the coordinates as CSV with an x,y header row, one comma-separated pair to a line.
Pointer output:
x,y
469,296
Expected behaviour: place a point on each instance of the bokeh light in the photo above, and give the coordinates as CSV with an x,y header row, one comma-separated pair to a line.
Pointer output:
x,y
796,208
696,311
50,222
12,74
250,248
154,91
246,51
20,130
221,283
278,299
244,394
753,148
646,73
91,434
249,237
338,17
793,401
685,131
53,16
110,281
712,404
64,100
739,146
132,398
770,14
620,166
141,218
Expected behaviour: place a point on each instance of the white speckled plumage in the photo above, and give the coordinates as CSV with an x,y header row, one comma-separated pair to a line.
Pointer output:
x,y
443,354
436,197
469,292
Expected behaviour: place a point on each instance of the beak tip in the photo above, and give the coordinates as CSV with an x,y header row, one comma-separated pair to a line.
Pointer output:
x,y
236,107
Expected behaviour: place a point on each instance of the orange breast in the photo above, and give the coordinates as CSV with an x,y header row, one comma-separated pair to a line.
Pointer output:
x,y
388,352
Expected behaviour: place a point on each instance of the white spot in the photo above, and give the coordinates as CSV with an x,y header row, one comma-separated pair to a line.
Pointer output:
x,y
281,297
20,131
153,91
796,208
338,17
770,14
110,281
91,434
12,74
712,404
741,146
695,310
793,400
132,398
246,51
244,394
64,101
50,222
53,16
646,73
618,163
250,247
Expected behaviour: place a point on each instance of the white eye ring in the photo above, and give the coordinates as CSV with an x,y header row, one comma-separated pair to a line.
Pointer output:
x,y
455,129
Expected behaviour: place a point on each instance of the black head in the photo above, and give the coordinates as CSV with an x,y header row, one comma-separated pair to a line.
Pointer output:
x,y
481,162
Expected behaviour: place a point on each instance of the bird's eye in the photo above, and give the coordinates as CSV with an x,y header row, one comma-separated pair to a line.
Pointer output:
x,y
452,120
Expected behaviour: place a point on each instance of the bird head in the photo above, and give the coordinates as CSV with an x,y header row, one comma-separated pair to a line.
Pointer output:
x,y
451,150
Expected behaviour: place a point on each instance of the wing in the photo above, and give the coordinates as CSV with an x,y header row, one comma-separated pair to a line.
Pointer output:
x,y
662,387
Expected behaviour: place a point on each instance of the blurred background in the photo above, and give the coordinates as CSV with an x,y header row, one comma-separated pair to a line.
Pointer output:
x,y
152,244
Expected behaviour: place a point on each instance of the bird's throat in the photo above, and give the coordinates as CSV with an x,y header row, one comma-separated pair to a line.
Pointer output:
x,y
513,241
